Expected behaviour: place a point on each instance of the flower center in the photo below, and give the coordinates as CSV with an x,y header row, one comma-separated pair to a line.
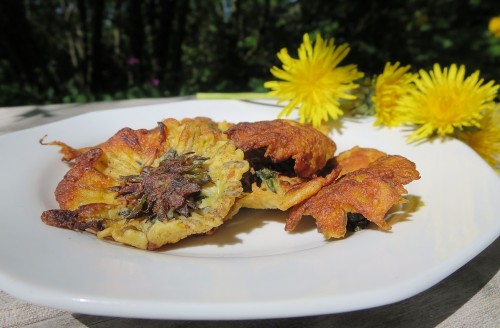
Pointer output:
x,y
161,192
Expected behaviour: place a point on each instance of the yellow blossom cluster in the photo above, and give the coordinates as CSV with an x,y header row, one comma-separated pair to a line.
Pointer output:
x,y
486,140
494,26
439,101
443,101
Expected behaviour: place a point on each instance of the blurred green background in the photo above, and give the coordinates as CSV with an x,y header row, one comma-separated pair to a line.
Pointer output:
x,y
79,51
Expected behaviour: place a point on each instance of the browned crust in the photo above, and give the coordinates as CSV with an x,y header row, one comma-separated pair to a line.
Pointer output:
x,y
357,158
81,219
370,191
143,141
283,140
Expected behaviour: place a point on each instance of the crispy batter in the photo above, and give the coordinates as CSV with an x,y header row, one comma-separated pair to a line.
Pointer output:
x,y
74,220
141,143
357,158
98,168
133,190
284,140
97,193
293,152
369,191
285,193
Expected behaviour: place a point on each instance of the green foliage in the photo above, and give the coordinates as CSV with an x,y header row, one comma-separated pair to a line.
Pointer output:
x,y
79,51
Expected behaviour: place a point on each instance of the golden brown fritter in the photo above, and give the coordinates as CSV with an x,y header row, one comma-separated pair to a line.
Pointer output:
x,y
282,192
100,167
126,139
285,160
369,191
284,140
356,158
147,188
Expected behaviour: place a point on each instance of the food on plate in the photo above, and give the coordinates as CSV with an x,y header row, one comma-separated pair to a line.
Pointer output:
x,y
285,145
147,188
286,161
356,158
278,191
151,187
369,191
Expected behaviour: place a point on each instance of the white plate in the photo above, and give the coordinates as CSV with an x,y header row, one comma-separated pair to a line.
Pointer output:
x,y
251,268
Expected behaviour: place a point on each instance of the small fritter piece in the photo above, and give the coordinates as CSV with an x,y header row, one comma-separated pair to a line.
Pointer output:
x,y
282,192
147,188
285,140
356,158
134,142
369,191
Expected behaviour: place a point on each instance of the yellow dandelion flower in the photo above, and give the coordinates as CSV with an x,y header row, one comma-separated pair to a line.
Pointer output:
x,y
390,86
494,26
314,82
444,100
486,140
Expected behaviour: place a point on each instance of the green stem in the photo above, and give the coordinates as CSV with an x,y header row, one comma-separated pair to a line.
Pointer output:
x,y
234,95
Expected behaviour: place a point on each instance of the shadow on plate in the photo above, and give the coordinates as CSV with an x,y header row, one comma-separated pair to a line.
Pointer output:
x,y
248,220
244,222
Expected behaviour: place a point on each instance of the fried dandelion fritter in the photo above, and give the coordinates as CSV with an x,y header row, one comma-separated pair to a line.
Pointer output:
x,y
285,158
147,188
283,141
151,187
356,158
369,191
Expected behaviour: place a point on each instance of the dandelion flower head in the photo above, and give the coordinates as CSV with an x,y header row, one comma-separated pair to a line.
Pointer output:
x,y
494,26
486,140
444,101
390,86
314,82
